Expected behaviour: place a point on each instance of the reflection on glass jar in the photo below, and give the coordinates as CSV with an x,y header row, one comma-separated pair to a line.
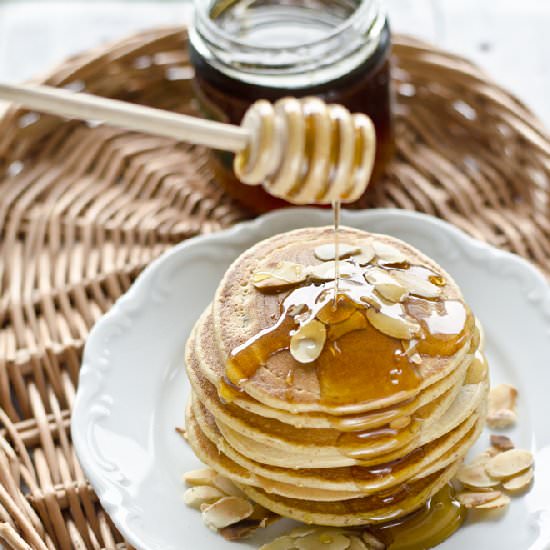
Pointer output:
x,y
244,50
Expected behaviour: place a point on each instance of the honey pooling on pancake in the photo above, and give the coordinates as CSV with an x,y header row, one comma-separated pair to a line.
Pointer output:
x,y
358,361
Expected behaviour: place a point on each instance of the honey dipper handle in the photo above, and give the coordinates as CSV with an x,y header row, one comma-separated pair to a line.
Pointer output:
x,y
58,101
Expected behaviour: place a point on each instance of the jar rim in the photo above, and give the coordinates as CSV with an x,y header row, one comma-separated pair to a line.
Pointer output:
x,y
338,51
202,16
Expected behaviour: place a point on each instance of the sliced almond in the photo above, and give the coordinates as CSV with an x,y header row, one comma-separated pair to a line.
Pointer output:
x,y
387,286
302,531
501,419
202,476
477,370
226,511
259,519
416,359
309,537
509,463
484,457
391,292
475,500
182,432
326,271
474,476
501,502
501,442
283,275
490,453
227,486
327,251
280,543
373,299
372,542
240,530
308,341
502,405
365,256
520,482
388,254
201,494
417,285
503,396
297,309
327,540
396,326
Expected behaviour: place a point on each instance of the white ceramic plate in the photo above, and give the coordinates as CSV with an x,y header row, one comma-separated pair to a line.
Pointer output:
x,y
133,389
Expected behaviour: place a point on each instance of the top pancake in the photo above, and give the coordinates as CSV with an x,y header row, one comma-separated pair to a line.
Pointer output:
x,y
240,312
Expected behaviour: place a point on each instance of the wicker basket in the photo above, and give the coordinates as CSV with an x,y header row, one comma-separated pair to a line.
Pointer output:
x,y
83,208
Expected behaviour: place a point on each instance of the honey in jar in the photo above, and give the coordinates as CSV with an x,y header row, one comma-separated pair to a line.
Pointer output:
x,y
337,50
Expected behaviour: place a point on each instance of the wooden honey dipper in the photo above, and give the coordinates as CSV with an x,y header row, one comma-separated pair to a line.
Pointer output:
x,y
301,150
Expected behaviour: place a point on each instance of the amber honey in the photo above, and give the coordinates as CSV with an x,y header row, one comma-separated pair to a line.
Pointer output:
x,y
433,523
358,363
338,51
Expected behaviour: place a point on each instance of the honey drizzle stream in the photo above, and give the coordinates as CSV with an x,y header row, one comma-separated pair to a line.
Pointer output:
x,y
336,218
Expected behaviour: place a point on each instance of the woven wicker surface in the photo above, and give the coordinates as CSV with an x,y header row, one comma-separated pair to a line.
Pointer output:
x,y
83,208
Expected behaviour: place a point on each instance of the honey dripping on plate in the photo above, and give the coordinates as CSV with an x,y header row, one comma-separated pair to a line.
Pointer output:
x,y
429,526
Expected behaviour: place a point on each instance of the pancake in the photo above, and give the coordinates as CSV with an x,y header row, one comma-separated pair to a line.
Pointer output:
x,y
370,424
240,312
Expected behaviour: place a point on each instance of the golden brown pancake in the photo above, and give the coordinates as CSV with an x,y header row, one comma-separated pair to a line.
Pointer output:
x,y
240,312
315,443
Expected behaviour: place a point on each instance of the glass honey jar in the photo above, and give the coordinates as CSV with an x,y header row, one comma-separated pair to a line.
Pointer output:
x,y
245,50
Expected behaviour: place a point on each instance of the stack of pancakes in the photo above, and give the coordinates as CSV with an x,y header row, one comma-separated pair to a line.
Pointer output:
x,y
327,461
